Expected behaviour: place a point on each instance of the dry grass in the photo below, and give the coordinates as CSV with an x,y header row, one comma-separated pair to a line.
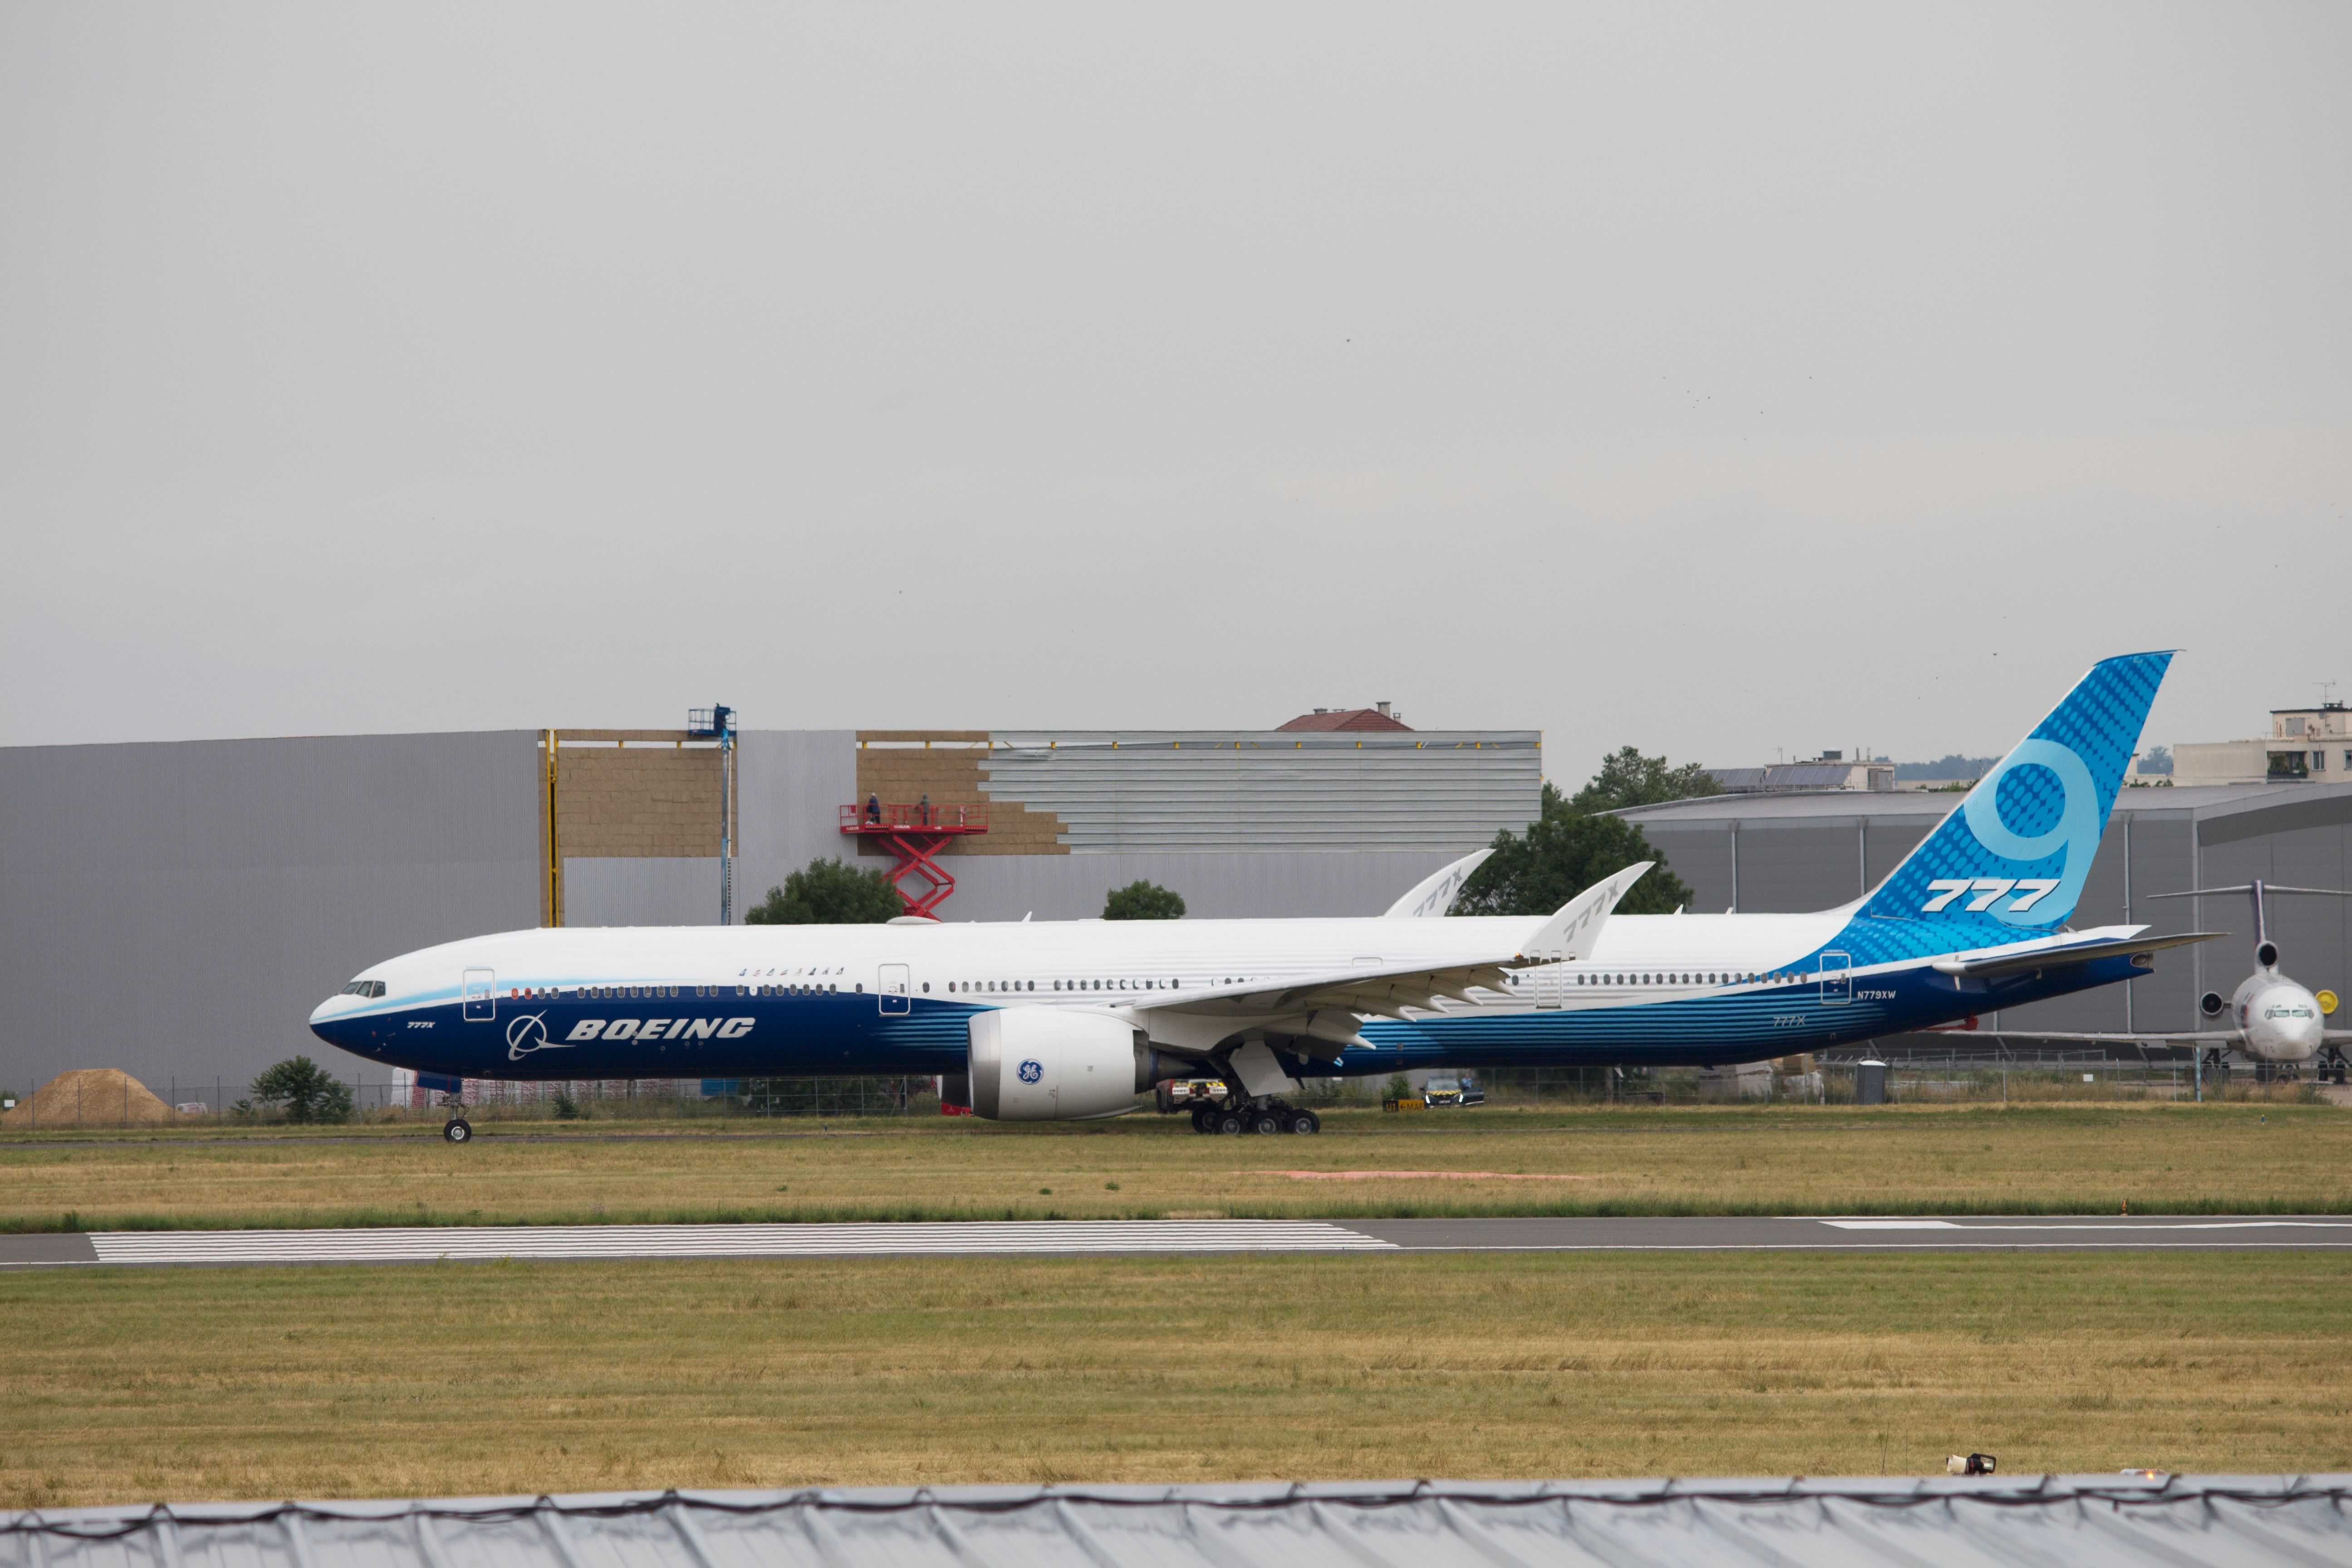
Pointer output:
x,y
182,1383
2210,1158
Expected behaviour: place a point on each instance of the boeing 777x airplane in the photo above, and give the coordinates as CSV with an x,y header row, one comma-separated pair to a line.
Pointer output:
x,y
1057,1020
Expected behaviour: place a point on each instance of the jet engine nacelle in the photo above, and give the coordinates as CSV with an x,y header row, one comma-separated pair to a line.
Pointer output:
x,y
1057,1064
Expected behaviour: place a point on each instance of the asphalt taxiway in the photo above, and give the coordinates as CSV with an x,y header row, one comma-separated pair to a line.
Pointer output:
x,y
429,1244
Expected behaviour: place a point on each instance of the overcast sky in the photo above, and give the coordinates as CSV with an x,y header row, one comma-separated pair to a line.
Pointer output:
x,y
1717,379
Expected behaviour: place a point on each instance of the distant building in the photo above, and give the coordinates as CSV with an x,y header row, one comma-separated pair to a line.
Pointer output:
x,y
2305,743
1377,717
1830,771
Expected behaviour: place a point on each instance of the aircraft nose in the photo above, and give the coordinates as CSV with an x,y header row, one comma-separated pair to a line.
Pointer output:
x,y
328,1016
2290,1017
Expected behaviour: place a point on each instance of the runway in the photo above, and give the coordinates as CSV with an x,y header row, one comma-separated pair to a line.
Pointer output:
x,y
433,1244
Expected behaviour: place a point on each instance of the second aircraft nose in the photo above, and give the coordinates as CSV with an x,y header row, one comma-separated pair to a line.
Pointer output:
x,y
2284,1022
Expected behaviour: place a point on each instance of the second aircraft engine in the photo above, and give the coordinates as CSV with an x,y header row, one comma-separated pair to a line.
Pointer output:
x,y
1057,1064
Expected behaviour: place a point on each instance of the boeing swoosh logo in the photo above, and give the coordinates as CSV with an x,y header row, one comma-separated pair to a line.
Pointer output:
x,y
526,1034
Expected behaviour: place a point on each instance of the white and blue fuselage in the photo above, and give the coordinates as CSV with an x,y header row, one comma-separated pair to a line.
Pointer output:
x,y
1972,920
786,1001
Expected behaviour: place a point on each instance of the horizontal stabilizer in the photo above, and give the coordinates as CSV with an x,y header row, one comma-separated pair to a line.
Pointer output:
x,y
2249,886
2095,1038
1997,962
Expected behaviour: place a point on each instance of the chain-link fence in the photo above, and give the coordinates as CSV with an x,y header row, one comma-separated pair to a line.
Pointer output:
x,y
103,1101
2054,1078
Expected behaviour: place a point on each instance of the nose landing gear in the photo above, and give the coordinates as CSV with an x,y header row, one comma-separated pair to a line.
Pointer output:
x,y
459,1131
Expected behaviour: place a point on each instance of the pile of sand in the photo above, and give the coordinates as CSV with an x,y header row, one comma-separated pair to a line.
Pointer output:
x,y
91,1096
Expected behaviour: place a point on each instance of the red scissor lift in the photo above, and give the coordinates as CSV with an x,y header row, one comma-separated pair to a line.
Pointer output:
x,y
914,834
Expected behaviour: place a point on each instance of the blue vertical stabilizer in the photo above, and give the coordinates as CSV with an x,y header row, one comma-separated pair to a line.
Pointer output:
x,y
2011,861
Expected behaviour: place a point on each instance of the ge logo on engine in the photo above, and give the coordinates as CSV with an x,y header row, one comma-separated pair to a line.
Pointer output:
x,y
1032,1070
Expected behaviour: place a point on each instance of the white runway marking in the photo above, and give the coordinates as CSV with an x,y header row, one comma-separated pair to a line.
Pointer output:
x,y
426,1244
2137,1226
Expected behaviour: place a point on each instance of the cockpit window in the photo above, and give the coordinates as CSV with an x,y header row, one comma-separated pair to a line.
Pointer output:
x,y
362,988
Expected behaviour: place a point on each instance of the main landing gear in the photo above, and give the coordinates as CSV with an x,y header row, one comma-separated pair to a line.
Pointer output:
x,y
459,1131
1255,1116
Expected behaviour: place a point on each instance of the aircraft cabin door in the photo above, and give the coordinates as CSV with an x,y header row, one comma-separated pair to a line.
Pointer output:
x,y
1552,986
481,993
1837,979
891,991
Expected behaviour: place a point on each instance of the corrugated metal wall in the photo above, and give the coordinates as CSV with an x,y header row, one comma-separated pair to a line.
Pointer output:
x,y
614,892
1213,887
179,909
2085,1522
1223,790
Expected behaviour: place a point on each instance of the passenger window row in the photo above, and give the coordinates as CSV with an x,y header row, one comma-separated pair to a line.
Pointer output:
x,y
1710,977
638,993
961,986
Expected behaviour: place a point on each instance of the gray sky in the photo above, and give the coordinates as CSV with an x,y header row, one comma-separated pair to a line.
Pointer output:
x,y
1712,378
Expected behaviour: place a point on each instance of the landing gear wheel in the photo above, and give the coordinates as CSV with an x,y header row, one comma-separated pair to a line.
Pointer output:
x,y
459,1131
1230,1123
1266,1121
1305,1122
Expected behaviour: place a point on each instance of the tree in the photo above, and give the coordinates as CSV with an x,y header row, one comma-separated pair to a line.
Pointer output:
x,y
1629,778
1562,854
828,893
309,1092
1143,901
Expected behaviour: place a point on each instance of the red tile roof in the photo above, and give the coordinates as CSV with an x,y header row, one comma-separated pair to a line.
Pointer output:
x,y
1345,719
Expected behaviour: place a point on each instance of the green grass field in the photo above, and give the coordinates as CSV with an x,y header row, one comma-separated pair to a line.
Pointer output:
x,y
1496,1160
131,1385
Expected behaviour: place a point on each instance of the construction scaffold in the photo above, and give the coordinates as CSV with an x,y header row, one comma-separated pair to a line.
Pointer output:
x,y
914,834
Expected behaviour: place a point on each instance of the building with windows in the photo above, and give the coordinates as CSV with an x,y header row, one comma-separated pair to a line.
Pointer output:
x,y
2304,744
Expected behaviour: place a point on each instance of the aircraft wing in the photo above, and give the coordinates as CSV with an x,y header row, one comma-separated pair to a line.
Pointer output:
x,y
1434,894
1389,989
1385,991
1992,962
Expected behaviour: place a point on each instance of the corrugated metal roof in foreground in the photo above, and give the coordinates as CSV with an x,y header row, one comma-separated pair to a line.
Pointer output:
x,y
1258,789
2086,1520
